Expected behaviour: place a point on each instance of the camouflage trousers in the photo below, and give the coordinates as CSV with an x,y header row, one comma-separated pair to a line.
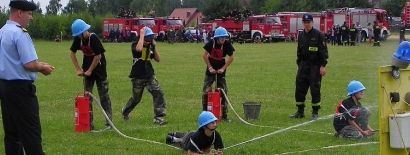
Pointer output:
x,y
102,87
362,119
221,83
153,87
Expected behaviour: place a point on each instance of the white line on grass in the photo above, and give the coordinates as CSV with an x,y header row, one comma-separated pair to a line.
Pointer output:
x,y
330,147
280,131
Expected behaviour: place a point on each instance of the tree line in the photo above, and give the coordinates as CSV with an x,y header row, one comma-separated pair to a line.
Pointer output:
x,y
57,18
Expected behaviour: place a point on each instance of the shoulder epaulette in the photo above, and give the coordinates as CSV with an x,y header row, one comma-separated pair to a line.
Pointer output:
x,y
22,28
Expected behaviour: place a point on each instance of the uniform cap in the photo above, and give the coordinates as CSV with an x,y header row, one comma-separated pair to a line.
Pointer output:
x,y
307,17
23,5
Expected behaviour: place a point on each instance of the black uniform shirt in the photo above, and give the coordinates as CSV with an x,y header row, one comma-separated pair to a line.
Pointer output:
x,y
97,47
204,143
340,121
376,29
142,67
228,49
312,48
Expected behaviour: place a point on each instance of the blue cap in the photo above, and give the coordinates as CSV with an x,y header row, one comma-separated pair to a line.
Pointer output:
x,y
307,17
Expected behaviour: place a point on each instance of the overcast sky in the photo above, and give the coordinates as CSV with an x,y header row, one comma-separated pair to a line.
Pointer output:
x,y
43,3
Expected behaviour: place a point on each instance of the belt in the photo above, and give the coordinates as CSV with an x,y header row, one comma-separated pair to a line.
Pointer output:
x,y
16,81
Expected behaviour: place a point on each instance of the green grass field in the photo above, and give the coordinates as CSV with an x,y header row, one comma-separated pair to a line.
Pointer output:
x,y
260,73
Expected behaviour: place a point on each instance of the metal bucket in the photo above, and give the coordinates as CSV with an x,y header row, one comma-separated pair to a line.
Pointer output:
x,y
251,110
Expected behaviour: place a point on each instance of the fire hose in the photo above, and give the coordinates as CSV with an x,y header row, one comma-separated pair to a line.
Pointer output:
x,y
119,132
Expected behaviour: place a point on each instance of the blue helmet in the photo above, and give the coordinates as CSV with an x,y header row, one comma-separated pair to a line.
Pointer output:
x,y
221,32
148,32
205,118
354,87
78,27
401,58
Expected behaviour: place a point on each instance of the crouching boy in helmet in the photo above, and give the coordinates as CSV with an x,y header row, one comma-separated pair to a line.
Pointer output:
x,y
351,118
201,141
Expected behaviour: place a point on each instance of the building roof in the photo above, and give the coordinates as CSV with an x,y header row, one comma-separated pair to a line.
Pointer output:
x,y
185,14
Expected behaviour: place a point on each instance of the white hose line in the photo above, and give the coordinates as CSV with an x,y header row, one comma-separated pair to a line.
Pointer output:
x,y
329,147
119,132
279,131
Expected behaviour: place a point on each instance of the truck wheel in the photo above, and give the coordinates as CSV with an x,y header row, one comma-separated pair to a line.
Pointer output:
x,y
384,35
257,38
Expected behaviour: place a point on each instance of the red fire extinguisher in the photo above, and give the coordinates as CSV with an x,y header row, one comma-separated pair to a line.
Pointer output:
x,y
214,101
83,113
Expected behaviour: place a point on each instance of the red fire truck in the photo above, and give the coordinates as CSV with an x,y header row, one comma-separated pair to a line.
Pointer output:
x,y
363,16
325,20
292,23
405,18
166,23
256,28
134,24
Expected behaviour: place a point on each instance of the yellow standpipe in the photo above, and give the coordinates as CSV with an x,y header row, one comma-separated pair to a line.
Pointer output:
x,y
389,87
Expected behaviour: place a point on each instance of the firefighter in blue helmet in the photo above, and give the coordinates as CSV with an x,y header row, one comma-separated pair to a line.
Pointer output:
x,y
351,118
214,57
142,75
202,140
311,59
94,66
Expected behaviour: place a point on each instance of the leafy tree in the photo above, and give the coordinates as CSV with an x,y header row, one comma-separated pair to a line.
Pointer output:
x,y
216,9
53,7
38,7
173,4
348,3
257,5
200,4
144,7
75,6
395,7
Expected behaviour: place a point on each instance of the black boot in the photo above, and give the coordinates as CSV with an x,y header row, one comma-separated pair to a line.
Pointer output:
x,y
300,113
225,113
205,102
315,113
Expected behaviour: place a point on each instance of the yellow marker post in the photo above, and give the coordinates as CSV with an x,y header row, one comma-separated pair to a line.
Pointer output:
x,y
391,113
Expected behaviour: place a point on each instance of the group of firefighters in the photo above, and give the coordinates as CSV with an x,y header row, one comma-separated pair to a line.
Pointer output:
x,y
352,36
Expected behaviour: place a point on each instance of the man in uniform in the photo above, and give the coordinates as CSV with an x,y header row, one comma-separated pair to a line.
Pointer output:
x,y
311,59
376,34
18,71
402,32
345,34
353,33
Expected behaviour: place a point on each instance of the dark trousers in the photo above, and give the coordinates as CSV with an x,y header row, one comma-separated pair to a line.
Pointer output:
x,y
154,88
345,39
402,37
353,40
376,40
221,83
102,87
308,76
21,120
